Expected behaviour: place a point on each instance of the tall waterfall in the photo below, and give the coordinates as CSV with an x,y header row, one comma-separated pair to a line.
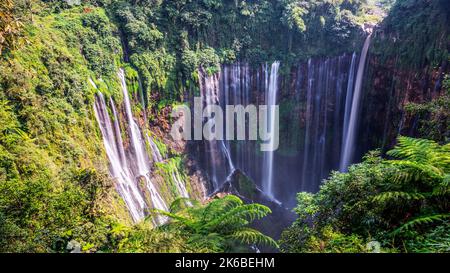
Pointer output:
x,y
324,92
271,100
315,108
216,153
235,90
350,133
131,165
348,108
140,155
125,182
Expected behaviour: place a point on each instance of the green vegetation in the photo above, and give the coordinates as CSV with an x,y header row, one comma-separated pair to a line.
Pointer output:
x,y
10,26
403,203
168,40
54,187
417,32
222,225
54,183
434,115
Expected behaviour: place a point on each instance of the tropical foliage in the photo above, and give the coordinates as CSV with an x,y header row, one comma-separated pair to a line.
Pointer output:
x,y
10,26
55,190
222,225
398,202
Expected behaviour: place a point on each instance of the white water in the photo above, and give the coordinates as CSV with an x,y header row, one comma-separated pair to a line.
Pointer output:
x,y
128,167
179,184
308,118
125,182
348,108
271,99
217,148
137,143
350,133
156,154
157,157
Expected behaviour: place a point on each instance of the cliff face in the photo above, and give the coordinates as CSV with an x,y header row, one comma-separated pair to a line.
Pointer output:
x,y
55,184
389,92
405,75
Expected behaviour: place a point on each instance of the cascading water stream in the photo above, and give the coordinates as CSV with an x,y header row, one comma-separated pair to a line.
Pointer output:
x,y
156,154
157,157
350,134
217,150
137,143
327,94
348,107
308,117
271,100
125,182
313,124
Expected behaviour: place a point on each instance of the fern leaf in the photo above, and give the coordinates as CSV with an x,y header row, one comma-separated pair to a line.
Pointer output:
x,y
252,236
422,220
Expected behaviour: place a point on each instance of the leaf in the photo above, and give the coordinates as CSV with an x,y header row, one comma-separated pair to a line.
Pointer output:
x,y
422,220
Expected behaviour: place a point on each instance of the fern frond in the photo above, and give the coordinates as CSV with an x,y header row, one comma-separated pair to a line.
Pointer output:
x,y
391,196
181,203
252,236
422,220
443,188
174,216
240,215
414,149
219,206
413,171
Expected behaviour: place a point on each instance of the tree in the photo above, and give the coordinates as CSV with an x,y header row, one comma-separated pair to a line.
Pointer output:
x,y
293,17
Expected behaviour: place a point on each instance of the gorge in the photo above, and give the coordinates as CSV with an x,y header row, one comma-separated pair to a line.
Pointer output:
x,y
354,147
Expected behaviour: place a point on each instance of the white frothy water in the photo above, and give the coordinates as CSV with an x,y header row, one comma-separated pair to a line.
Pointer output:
x,y
125,182
137,143
129,166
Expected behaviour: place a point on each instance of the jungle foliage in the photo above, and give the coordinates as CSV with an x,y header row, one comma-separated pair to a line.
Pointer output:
x,y
168,40
401,202
54,186
433,116
415,35
220,225
10,26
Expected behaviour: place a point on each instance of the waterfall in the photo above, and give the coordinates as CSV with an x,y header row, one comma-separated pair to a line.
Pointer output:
x,y
308,118
156,154
235,84
348,106
179,184
314,125
350,134
129,166
138,145
125,182
217,151
271,100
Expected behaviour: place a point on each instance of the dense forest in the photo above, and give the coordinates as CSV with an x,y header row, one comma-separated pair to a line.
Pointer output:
x,y
88,164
